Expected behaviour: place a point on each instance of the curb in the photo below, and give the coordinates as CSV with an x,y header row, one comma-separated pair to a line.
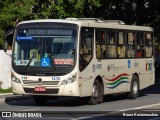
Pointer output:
x,y
3,95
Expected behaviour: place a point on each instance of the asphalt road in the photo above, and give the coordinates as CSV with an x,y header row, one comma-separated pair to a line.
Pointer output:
x,y
148,104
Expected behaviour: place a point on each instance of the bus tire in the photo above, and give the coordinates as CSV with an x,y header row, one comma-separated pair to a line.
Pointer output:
x,y
134,89
97,93
40,100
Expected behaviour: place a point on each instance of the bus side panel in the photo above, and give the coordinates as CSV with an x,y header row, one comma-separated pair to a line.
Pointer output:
x,y
71,89
123,75
86,78
146,80
145,70
109,73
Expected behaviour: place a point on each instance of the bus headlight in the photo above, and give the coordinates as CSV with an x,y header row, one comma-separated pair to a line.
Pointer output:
x,y
69,80
15,79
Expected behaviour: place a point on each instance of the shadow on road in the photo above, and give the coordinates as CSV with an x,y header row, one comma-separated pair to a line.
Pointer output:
x,y
154,89
28,101
74,101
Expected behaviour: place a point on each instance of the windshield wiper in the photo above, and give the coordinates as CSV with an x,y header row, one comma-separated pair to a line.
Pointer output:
x,y
59,49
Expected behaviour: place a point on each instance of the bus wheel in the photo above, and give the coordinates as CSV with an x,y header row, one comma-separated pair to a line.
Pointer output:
x,y
134,89
97,94
40,100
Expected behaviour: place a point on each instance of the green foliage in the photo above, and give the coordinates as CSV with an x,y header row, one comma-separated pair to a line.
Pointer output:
x,y
9,90
137,12
12,12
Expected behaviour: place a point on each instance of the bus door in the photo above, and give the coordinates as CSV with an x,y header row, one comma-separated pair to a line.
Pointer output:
x,y
85,60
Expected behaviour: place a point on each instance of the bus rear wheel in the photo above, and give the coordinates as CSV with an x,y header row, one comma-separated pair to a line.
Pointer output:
x,y
134,89
97,93
40,100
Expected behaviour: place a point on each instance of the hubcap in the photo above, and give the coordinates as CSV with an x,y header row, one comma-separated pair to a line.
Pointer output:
x,y
135,87
95,91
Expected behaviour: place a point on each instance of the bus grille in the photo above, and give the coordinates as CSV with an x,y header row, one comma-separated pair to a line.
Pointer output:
x,y
31,82
48,91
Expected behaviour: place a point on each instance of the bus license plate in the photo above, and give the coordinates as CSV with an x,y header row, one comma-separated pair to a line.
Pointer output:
x,y
39,89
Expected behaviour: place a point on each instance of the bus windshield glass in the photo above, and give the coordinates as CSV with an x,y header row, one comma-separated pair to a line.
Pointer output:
x,y
45,47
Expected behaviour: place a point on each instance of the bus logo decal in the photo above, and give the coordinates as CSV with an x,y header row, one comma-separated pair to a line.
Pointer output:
x,y
118,80
136,64
129,63
96,67
149,65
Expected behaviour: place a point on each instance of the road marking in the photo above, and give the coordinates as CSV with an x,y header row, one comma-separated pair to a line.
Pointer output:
x,y
157,118
88,117
123,110
31,109
141,107
151,110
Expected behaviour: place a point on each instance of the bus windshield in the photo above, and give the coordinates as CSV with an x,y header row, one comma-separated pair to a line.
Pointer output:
x,y
44,47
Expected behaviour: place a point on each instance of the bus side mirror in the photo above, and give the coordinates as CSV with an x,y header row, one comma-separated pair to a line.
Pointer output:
x,y
5,46
9,37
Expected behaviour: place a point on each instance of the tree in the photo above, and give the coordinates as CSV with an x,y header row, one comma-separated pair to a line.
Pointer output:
x,y
12,12
137,12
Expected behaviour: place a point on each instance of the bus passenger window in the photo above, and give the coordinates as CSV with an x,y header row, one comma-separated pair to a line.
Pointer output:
x,y
121,51
131,51
98,51
140,51
100,37
101,51
140,38
148,51
111,48
131,45
121,48
131,38
111,51
104,54
149,47
121,37
112,38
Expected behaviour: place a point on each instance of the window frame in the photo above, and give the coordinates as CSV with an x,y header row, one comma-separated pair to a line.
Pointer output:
x,y
92,47
106,31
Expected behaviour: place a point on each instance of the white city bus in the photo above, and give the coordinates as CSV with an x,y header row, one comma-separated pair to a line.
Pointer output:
x,y
86,58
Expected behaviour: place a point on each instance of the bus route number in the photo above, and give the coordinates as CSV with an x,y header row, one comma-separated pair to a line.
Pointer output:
x,y
56,78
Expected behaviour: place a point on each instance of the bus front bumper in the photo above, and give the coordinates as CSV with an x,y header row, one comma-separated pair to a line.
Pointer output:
x,y
62,90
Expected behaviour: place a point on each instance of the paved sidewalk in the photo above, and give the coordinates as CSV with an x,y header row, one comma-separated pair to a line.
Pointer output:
x,y
3,95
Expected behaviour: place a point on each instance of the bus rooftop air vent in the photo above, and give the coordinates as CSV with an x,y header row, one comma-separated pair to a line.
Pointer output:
x,y
112,21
